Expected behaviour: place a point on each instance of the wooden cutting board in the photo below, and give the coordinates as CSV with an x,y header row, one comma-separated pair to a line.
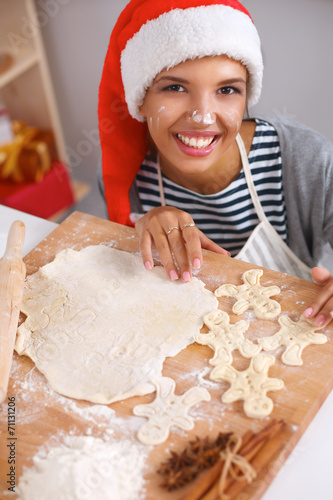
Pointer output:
x,y
42,414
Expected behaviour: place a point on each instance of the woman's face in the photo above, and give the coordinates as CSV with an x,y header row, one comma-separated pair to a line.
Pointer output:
x,y
194,112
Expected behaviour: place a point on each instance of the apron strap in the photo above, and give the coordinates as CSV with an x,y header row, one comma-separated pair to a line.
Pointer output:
x,y
249,180
160,182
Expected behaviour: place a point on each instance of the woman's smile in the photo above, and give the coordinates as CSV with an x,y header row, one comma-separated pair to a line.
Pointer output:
x,y
197,143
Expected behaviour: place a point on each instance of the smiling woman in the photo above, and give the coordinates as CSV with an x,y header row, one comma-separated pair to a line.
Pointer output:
x,y
186,72
193,112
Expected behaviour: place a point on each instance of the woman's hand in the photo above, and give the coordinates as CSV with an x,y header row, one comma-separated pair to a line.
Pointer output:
x,y
322,307
177,240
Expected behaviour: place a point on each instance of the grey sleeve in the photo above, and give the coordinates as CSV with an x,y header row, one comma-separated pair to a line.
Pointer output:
x,y
135,202
307,166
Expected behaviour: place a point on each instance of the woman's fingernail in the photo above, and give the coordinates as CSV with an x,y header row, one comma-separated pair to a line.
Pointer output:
x,y
331,313
148,265
320,320
307,313
186,276
196,264
173,275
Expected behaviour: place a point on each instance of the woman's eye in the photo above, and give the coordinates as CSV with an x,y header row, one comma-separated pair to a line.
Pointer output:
x,y
228,90
174,88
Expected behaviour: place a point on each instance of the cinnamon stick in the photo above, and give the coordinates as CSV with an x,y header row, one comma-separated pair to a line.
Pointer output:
x,y
267,432
254,447
209,477
259,452
259,462
248,436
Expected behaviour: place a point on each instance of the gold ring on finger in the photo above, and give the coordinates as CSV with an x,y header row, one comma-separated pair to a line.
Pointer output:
x,y
171,229
189,224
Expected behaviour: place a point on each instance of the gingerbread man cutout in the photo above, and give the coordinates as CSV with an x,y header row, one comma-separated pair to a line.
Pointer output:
x,y
252,295
250,385
295,336
224,338
166,410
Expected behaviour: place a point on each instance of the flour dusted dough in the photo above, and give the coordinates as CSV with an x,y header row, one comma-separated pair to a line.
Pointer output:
x,y
250,385
99,326
224,338
252,295
295,336
167,410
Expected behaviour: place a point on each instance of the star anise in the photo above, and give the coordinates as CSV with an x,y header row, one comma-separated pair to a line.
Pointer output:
x,y
207,459
175,463
178,479
181,468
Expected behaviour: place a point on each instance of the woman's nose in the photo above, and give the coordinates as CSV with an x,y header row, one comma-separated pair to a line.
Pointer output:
x,y
203,117
201,109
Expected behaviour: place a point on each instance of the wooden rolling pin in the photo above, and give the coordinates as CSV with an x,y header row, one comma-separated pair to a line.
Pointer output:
x,y
12,275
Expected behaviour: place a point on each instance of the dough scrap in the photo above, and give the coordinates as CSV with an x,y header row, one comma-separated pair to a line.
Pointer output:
x,y
99,326
167,410
225,338
252,295
295,336
250,385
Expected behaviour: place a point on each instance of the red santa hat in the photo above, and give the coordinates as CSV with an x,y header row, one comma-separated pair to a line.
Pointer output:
x,y
151,36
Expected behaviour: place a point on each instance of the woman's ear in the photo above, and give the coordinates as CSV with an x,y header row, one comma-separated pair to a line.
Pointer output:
x,y
142,110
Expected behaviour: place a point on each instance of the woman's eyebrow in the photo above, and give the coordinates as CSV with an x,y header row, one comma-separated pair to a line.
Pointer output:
x,y
230,81
172,79
177,79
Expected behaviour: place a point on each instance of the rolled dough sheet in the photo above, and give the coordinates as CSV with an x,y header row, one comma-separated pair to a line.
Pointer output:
x,y
99,326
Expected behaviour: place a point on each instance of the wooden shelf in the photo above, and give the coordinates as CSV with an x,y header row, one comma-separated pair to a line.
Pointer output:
x,y
26,86
21,63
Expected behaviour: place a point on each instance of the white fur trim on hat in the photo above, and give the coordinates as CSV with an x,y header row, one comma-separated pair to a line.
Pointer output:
x,y
182,34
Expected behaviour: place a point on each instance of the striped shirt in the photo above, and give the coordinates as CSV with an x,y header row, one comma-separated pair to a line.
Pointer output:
x,y
229,216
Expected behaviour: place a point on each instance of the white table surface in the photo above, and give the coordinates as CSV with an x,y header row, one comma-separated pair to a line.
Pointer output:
x,y
307,474
36,229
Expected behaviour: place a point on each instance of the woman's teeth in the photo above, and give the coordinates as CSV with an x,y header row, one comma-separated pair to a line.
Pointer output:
x,y
199,143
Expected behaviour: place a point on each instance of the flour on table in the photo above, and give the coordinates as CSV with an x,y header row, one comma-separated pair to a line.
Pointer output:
x,y
99,326
167,410
86,468
252,295
295,336
224,338
250,385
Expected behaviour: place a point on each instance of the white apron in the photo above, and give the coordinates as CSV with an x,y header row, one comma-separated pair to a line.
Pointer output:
x,y
265,247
